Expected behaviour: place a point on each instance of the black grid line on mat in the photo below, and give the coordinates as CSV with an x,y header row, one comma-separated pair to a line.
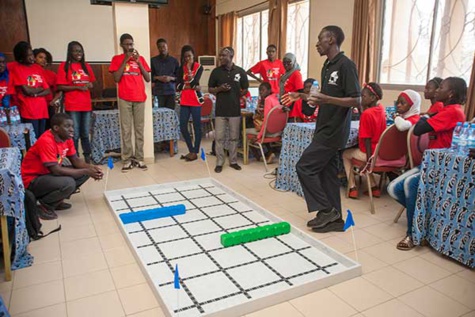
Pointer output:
x,y
242,291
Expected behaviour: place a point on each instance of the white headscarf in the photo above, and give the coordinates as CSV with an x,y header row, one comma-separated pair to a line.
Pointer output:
x,y
413,98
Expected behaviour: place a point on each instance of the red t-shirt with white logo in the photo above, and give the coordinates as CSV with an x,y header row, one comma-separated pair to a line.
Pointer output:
x,y
47,151
131,84
443,124
76,100
270,72
31,76
372,126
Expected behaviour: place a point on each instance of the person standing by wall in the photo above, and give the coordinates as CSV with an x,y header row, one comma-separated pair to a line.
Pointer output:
x,y
228,82
317,169
130,70
164,72
75,79
270,69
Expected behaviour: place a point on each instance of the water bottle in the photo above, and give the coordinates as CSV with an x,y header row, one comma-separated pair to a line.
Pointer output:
x,y
471,137
155,102
17,115
315,88
456,137
463,143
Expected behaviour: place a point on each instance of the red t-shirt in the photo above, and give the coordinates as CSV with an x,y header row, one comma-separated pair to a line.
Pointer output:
x,y
32,76
413,119
76,100
51,81
270,72
372,125
131,84
296,112
436,107
48,150
294,83
188,96
443,124
3,89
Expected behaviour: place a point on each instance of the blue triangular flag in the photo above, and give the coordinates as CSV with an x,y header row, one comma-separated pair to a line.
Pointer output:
x,y
110,164
203,155
349,221
176,280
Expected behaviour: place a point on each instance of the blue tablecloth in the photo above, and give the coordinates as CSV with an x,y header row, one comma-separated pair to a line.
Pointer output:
x,y
445,207
12,194
15,132
106,130
296,138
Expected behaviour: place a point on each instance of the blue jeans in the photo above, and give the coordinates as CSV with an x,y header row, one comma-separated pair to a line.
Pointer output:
x,y
404,190
82,126
39,125
195,112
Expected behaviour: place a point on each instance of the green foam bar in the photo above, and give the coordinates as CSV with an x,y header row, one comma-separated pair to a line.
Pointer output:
x,y
254,234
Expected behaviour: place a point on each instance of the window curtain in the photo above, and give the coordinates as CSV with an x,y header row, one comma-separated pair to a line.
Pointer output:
x,y
365,33
470,105
227,29
277,28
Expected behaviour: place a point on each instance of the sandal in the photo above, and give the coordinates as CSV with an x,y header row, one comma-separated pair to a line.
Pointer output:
x,y
405,244
353,193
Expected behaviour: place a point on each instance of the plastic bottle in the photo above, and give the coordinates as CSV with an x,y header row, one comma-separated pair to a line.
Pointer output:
x,y
17,115
155,102
463,143
471,137
315,87
456,137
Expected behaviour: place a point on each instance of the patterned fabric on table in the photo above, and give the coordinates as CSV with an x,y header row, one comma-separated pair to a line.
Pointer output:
x,y
15,132
11,204
106,130
296,138
445,207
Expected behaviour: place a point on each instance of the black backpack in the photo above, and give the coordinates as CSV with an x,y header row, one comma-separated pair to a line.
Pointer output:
x,y
33,224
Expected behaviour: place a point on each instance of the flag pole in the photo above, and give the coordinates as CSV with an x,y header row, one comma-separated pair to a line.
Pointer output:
x,y
110,165
107,178
204,158
354,243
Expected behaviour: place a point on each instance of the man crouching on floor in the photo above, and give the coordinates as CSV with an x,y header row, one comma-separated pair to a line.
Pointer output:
x,y
43,172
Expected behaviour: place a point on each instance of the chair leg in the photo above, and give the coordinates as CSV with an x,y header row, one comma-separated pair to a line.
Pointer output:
x,y
6,248
247,152
352,178
399,214
263,156
370,192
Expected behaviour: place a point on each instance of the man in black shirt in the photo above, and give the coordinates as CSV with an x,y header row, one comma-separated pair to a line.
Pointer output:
x,y
164,71
228,82
317,169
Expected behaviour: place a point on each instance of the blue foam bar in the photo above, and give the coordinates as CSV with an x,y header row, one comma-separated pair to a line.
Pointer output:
x,y
149,214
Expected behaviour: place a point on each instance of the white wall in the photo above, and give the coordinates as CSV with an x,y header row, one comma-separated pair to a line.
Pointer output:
x,y
52,24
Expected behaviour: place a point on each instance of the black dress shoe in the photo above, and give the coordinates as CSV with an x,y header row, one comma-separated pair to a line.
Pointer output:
x,y
218,169
323,217
236,166
63,206
336,226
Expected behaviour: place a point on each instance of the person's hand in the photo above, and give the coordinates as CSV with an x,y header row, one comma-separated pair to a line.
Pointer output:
x,y
83,88
136,55
286,100
471,153
293,96
317,99
129,54
95,172
197,88
224,87
89,85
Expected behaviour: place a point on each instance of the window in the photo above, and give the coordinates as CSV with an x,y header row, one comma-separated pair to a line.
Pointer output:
x,y
297,33
251,40
427,38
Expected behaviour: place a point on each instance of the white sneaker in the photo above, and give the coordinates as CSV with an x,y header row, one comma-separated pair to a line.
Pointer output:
x,y
141,165
127,167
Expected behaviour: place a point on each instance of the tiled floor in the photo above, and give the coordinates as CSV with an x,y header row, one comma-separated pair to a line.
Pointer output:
x,y
88,270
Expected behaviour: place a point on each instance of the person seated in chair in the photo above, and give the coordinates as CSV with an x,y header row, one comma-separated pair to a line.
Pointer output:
x,y
43,172
408,107
372,126
440,126
267,101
